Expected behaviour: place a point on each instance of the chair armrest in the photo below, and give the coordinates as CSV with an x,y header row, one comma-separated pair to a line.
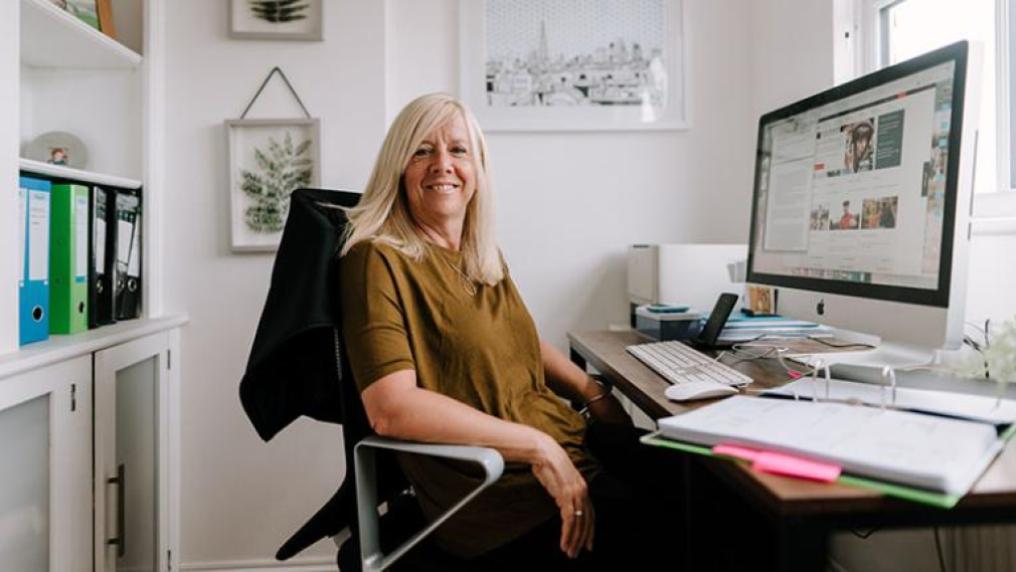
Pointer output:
x,y
366,491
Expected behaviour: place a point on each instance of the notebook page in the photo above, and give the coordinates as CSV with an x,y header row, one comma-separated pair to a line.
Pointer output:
x,y
976,407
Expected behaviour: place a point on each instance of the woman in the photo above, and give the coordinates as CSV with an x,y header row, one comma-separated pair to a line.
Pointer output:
x,y
444,350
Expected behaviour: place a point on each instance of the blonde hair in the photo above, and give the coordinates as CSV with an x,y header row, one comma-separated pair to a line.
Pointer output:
x,y
382,214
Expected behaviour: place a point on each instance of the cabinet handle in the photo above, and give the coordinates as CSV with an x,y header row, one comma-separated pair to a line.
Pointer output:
x,y
120,540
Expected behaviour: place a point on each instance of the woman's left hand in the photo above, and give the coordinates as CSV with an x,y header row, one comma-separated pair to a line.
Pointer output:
x,y
609,410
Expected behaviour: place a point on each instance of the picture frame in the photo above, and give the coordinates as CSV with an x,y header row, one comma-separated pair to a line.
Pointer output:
x,y
85,10
268,160
526,66
271,20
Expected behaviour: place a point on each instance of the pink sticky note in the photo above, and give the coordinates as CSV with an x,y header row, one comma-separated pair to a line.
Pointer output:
x,y
791,466
736,451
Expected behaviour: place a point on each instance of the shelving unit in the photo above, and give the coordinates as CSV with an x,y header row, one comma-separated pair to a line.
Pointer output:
x,y
110,395
74,78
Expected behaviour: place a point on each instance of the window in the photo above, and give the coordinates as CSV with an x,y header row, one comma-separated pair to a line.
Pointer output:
x,y
898,30
891,31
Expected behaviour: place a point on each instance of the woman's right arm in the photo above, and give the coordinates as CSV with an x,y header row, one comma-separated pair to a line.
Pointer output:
x,y
396,407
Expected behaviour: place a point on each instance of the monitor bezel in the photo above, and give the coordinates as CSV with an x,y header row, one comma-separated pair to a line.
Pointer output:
x,y
958,53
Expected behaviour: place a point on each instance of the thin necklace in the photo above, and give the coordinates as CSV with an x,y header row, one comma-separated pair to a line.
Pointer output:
x,y
468,284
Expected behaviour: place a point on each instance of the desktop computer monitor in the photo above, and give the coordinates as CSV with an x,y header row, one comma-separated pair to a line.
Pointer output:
x,y
862,198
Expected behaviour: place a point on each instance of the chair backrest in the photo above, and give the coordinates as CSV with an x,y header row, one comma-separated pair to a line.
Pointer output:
x,y
297,365
291,370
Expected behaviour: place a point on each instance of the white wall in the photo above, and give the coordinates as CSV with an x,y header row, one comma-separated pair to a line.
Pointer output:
x,y
992,277
567,206
791,51
242,498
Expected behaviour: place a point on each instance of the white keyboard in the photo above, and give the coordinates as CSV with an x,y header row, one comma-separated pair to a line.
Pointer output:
x,y
678,363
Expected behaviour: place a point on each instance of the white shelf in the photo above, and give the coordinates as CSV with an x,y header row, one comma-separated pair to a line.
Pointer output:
x,y
40,168
54,38
60,348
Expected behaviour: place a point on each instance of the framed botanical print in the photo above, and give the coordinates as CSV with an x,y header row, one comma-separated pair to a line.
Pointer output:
x,y
268,160
276,19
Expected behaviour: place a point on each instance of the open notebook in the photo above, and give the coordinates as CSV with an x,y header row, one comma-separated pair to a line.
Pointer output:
x,y
929,452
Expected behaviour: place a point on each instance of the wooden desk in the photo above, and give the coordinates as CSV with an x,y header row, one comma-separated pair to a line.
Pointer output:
x,y
805,513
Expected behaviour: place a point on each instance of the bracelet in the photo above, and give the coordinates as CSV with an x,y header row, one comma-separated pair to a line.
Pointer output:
x,y
606,392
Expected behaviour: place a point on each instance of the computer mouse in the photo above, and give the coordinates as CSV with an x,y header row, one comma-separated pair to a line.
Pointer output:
x,y
692,390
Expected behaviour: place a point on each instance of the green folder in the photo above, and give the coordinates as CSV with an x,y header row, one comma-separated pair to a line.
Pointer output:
x,y
913,494
906,492
68,259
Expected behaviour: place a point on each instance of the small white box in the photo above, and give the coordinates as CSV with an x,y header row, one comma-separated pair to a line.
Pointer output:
x,y
684,274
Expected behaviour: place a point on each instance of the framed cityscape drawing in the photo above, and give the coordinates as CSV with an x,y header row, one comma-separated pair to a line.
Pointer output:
x,y
573,65
268,160
276,20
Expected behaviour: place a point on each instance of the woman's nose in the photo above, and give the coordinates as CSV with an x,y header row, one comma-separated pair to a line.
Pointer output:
x,y
442,161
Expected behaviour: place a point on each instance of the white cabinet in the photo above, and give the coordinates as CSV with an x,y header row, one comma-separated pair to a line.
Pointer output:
x,y
132,455
89,429
46,468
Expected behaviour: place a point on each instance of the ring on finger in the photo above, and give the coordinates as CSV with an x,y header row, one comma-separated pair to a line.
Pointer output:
x,y
579,513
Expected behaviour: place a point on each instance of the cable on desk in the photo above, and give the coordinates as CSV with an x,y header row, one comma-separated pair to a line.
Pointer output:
x,y
865,535
938,549
738,349
840,346
771,352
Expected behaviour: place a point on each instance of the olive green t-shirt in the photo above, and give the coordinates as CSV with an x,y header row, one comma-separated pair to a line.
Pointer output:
x,y
480,348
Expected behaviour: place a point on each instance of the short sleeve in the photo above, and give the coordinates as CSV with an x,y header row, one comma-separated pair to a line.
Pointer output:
x,y
373,320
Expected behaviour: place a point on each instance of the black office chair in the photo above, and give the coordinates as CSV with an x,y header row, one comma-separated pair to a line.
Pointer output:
x,y
297,367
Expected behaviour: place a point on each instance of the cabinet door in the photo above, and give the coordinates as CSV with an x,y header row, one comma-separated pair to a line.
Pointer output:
x,y
46,453
131,455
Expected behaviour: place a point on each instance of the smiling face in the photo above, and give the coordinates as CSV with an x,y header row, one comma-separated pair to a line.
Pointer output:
x,y
440,178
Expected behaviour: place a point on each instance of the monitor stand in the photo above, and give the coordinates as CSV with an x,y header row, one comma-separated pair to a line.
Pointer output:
x,y
868,365
914,366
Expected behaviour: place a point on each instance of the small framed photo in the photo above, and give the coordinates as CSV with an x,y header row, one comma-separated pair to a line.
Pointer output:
x,y
762,300
268,160
573,65
276,19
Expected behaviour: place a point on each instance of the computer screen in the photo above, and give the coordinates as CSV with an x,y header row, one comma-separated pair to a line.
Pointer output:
x,y
855,188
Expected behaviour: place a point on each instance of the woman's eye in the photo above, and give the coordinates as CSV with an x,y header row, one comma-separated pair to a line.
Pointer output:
x,y
459,150
421,152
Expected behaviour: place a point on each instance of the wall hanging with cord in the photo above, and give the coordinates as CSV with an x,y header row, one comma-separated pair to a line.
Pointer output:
x,y
268,160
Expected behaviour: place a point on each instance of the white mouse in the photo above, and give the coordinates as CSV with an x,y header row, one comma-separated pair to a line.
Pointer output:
x,y
692,390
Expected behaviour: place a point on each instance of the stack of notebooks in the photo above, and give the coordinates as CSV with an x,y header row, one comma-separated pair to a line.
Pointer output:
x,y
742,328
80,263
924,446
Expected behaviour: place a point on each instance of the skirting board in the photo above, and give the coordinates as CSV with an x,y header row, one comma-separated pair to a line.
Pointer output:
x,y
317,564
